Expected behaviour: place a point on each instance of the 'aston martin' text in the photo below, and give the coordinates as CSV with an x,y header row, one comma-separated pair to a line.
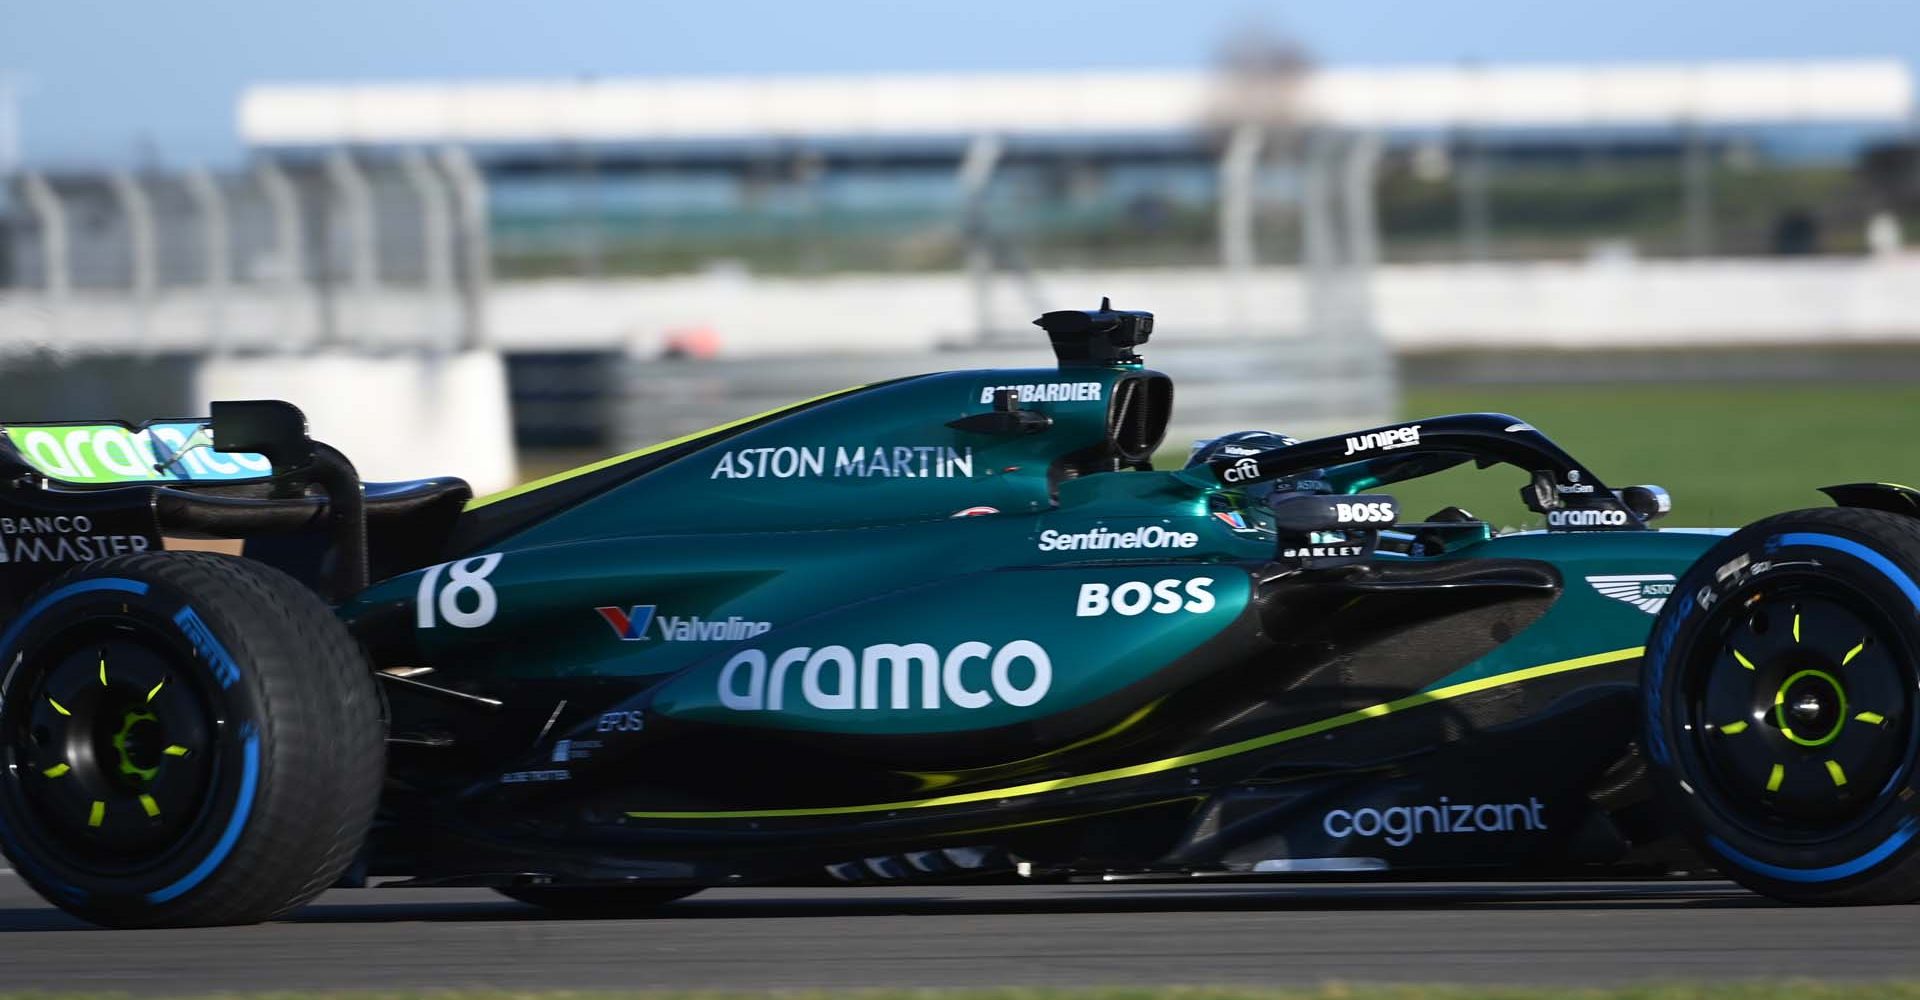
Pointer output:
x,y
878,462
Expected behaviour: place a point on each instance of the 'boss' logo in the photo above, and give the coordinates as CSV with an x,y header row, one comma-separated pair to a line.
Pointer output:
x,y
1363,513
1138,597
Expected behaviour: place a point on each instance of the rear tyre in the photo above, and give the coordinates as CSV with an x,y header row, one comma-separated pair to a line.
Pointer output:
x,y
1781,693
185,739
596,900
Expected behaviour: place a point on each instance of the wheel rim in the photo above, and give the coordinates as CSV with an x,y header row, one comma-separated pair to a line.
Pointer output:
x,y
1800,709
112,738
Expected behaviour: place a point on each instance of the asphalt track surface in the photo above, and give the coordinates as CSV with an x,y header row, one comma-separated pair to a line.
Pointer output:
x,y
1079,935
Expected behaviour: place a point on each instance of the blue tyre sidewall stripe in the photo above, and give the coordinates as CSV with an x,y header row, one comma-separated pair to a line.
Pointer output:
x,y
12,635
249,781
249,755
1858,551
75,589
1908,826
1830,873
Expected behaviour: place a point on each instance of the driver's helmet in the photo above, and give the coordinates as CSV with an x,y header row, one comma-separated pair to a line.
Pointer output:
x,y
1241,444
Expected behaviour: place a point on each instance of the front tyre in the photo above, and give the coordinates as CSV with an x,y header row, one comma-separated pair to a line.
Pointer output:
x,y
1781,693
187,739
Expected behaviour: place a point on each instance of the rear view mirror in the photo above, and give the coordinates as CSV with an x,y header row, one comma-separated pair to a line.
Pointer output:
x,y
270,427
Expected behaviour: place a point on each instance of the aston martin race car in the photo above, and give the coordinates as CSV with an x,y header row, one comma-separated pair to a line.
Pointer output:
x,y
954,627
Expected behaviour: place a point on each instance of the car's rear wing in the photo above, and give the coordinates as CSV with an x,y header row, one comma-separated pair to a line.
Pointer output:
x,y
119,454
73,493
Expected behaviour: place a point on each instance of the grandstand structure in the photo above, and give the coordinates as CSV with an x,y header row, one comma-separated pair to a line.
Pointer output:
x,y
586,166
1058,104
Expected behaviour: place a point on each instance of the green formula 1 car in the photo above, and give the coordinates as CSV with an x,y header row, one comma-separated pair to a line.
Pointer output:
x,y
950,627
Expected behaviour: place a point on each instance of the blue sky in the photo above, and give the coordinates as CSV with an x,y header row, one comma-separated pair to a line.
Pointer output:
x,y
115,80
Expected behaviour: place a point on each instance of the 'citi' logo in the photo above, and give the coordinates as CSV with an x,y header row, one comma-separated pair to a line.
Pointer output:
x,y
630,624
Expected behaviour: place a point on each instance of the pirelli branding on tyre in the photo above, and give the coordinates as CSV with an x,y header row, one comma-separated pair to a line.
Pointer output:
x,y
153,767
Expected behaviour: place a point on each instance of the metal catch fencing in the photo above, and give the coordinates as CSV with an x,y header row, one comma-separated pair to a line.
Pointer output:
x,y
331,252
375,252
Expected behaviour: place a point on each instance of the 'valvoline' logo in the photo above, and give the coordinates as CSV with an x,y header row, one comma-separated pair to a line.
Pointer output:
x,y
630,624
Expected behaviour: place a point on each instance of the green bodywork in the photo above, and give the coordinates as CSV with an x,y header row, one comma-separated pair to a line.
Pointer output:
x,y
838,592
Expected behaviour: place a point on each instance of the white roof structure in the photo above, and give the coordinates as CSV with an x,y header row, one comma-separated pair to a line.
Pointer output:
x,y
1068,103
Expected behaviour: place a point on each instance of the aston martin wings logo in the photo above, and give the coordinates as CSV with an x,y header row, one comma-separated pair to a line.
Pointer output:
x,y
1646,591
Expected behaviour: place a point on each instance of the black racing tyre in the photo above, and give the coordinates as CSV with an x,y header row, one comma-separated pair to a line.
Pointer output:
x,y
597,900
188,739
1781,696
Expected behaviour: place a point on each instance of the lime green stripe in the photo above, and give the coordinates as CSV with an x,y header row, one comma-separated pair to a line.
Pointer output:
x,y
561,477
1184,760
152,808
57,770
1732,728
1870,718
1851,653
97,814
1839,776
1742,657
1774,777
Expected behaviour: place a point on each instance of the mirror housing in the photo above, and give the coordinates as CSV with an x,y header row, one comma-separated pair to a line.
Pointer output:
x,y
270,427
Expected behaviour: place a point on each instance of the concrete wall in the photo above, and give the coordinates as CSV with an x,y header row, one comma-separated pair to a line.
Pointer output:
x,y
1669,303
397,417
1520,305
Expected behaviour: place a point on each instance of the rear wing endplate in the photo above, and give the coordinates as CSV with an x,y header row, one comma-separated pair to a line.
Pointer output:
x,y
72,493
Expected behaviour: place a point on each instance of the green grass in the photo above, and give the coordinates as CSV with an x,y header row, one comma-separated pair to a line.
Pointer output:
x,y
1728,452
1791,990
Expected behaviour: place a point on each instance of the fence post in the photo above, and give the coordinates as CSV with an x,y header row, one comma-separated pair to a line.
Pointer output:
x,y
1476,210
1238,167
436,241
1319,230
355,204
476,271
284,203
212,206
1359,176
56,265
51,216
1359,168
976,172
138,213
1697,182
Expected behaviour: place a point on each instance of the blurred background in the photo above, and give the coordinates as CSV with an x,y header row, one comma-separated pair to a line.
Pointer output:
x,y
492,239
